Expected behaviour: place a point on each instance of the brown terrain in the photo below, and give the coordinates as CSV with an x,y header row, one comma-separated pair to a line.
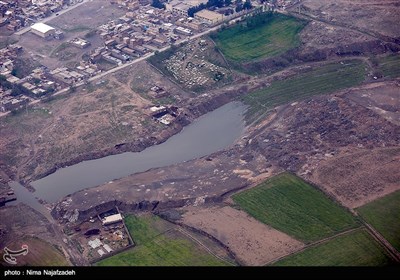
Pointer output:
x,y
361,177
257,246
346,143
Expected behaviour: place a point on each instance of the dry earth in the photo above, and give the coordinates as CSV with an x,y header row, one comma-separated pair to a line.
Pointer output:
x,y
252,242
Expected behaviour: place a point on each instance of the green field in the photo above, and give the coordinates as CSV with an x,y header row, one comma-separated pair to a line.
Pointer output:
x,y
322,80
289,204
390,66
159,243
384,215
275,36
356,248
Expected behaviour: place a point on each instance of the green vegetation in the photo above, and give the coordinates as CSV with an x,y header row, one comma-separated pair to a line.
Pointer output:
x,y
289,204
357,248
384,215
157,244
261,36
390,66
322,80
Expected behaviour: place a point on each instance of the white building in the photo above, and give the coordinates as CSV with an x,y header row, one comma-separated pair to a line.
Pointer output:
x,y
112,219
43,30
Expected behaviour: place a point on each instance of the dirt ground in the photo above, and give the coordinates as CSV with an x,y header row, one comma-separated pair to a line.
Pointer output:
x,y
89,15
96,117
253,247
18,223
382,98
376,16
75,23
359,178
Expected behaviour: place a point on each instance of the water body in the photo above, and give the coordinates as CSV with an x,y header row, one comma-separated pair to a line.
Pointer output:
x,y
210,133
25,196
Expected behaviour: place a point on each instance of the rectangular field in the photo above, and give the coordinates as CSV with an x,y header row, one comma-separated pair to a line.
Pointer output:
x,y
384,215
323,80
159,243
289,204
265,36
357,248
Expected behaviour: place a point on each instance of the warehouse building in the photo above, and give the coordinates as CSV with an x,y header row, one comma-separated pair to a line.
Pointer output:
x,y
43,30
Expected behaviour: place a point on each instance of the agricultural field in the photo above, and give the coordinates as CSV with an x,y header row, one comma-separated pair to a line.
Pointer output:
x,y
390,66
259,37
159,243
289,204
384,215
40,253
322,80
356,248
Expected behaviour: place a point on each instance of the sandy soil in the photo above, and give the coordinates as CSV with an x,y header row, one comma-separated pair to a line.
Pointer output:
x,y
232,227
359,178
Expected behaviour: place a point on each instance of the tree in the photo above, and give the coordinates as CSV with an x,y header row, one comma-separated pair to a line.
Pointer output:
x,y
158,4
228,2
247,5
238,8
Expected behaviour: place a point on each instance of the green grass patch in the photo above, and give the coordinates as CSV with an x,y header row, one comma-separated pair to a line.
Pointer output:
x,y
273,36
289,204
356,248
390,66
158,244
323,80
144,228
384,215
164,251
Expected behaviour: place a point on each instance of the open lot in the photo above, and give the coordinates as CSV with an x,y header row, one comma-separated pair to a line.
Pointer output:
x,y
384,215
230,226
160,243
360,177
264,39
320,80
289,204
356,248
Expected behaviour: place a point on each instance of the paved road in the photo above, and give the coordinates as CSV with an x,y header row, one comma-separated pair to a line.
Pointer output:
x,y
26,29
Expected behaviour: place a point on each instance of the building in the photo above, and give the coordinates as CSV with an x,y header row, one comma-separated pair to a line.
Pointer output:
x,y
43,30
209,17
112,219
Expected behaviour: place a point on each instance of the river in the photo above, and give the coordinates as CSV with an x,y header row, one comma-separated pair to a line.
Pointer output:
x,y
209,133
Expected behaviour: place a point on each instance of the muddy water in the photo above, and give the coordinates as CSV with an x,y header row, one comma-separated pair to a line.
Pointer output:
x,y
25,196
210,133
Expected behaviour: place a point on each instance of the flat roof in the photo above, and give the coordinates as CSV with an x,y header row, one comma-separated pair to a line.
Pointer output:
x,y
208,14
41,27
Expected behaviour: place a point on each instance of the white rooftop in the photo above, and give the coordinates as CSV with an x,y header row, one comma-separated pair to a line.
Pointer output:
x,y
41,27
